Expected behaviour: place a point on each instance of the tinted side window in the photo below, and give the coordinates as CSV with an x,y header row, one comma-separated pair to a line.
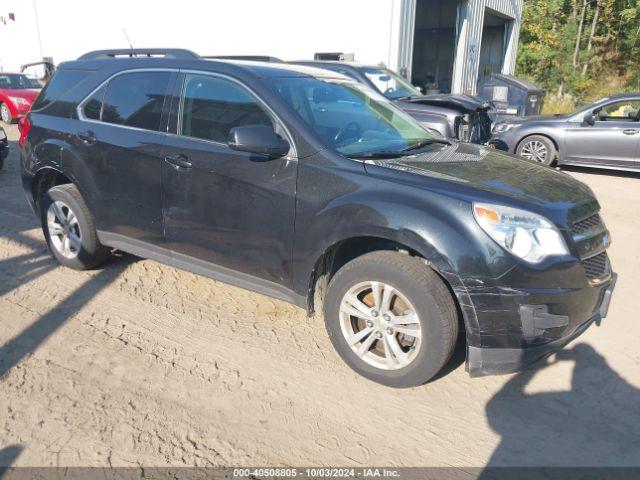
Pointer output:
x,y
93,106
61,82
627,110
136,99
212,106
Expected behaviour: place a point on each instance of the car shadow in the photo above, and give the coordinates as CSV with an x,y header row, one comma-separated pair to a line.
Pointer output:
x,y
27,268
594,424
8,456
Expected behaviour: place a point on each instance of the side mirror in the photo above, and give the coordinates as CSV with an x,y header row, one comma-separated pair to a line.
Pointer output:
x,y
589,119
258,139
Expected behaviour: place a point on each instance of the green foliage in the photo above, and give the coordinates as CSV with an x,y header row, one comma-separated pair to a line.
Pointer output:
x,y
607,59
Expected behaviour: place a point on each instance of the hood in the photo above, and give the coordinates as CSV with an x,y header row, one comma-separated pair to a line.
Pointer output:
x,y
463,103
29,94
499,175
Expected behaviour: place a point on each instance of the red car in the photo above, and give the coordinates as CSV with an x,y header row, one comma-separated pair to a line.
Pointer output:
x,y
17,93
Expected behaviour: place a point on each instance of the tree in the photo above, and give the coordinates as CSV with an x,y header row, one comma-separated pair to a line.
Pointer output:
x,y
583,48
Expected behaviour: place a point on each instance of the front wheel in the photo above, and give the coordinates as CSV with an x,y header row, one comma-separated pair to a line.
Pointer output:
x,y
5,114
538,149
391,318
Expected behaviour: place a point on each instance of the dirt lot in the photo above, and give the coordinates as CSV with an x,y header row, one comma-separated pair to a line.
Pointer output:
x,y
142,364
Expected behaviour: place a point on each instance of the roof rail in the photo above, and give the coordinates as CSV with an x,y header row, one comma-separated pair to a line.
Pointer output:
x,y
141,52
251,58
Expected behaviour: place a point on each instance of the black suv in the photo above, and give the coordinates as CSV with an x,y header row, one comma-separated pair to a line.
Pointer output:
x,y
304,185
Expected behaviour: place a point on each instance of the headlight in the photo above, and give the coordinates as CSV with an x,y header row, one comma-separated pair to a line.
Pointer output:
x,y
524,234
503,127
19,101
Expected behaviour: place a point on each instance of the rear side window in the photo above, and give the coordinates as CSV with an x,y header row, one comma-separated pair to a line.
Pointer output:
x,y
92,108
212,106
133,99
61,82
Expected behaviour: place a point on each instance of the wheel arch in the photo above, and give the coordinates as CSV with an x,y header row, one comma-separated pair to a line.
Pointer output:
x,y
342,251
44,179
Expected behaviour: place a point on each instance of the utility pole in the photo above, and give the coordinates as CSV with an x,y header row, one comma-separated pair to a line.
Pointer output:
x,y
35,10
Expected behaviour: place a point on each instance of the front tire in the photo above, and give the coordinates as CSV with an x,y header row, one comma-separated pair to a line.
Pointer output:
x,y
5,114
69,229
538,149
391,318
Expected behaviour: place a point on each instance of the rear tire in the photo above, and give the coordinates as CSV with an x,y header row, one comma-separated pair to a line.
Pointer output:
x,y
69,229
538,148
5,114
406,305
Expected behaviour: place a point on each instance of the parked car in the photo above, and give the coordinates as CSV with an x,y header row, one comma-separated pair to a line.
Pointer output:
x,y
17,93
462,117
307,186
604,134
4,147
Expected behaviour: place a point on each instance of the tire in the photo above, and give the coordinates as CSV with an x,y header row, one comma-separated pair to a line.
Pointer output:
x,y
538,149
5,114
85,251
418,289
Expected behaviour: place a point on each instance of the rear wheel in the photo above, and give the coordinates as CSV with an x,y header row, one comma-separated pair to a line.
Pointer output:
x,y
391,318
69,229
5,114
538,148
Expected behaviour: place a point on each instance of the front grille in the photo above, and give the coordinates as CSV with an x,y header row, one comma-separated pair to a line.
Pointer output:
x,y
596,267
587,224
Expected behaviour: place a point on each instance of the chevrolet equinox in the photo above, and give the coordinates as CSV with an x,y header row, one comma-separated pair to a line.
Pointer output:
x,y
309,187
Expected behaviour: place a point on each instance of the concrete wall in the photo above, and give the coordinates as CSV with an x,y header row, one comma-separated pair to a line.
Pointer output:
x,y
291,29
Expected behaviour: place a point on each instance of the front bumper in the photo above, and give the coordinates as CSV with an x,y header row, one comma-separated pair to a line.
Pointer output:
x,y
497,361
505,141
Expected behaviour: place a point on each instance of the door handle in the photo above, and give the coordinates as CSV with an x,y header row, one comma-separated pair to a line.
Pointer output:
x,y
178,161
630,131
88,137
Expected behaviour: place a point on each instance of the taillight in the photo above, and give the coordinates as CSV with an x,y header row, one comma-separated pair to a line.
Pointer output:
x,y
24,125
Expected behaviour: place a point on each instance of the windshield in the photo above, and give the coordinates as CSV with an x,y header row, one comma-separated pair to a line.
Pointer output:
x,y
349,117
390,84
17,82
589,105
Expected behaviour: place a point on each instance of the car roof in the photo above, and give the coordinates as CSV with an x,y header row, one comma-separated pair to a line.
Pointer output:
x,y
338,63
271,69
622,96
229,66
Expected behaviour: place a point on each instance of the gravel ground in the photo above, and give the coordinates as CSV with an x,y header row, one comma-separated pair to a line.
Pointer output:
x,y
142,364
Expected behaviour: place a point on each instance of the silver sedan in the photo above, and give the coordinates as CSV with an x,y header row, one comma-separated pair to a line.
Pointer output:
x,y
604,134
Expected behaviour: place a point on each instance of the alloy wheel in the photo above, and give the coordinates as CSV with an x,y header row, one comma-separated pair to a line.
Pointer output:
x,y
64,230
4,113
535,150
380,325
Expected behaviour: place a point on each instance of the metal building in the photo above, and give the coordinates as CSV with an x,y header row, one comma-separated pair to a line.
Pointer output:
x,y
451,45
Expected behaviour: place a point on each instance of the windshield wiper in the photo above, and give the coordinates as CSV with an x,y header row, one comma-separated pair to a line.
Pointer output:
x,y
376,155
398,153
426,143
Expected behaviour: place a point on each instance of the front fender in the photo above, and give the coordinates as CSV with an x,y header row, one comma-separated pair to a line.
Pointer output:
x,y
434,226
